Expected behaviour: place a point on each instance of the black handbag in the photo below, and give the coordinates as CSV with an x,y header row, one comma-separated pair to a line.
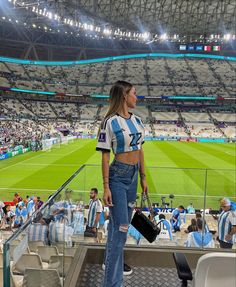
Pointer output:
x,y
143,224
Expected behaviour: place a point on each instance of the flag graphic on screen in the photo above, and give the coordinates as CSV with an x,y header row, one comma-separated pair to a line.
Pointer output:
x,y
182,47
216,48
207,48
199,48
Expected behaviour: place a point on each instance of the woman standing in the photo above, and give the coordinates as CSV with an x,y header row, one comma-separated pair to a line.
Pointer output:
x,y
123,132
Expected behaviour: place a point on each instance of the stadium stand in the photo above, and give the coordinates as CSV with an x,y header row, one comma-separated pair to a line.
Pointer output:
x,y
152,77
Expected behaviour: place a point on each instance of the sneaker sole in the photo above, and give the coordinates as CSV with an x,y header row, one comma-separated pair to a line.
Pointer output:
x,y
125,273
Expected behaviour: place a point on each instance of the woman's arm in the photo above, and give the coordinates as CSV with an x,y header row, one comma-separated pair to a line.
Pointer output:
x,y
105,174
142,172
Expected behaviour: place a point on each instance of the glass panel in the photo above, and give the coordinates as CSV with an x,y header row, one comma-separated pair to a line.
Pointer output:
x,y
48,240
220,184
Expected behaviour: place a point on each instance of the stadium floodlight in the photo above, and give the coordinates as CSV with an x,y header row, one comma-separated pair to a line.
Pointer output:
x,y
106,31
145,35
164,36
227,37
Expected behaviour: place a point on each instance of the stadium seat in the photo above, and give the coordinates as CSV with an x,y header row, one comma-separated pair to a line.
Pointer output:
x,y
40,277
12,248
183,269
213,270
27,261
60,246
61,263
70,251
46,252
33,245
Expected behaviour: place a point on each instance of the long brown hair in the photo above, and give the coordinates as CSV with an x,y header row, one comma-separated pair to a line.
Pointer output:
x,y
117,93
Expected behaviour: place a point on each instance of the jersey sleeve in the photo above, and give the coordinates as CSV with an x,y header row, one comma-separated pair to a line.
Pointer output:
x,y
232,217
99,207
104,138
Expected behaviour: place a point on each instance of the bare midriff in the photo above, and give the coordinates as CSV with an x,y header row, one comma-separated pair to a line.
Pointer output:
x,y
131,157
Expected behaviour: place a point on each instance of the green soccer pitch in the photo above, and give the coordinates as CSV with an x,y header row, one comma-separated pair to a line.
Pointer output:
x,y
186,169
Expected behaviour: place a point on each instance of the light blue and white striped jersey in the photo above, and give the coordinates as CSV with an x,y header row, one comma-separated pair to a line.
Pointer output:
x,y
166,232
95,206
21,215
38,232
121,134
226,221
199,239
60,232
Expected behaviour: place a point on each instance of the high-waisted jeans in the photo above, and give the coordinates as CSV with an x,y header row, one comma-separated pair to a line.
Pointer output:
x,y
123,180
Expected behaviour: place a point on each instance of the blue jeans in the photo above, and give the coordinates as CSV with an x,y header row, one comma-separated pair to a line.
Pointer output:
x,y
123,179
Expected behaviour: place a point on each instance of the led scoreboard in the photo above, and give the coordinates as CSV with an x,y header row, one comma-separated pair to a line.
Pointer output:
x,y
199,48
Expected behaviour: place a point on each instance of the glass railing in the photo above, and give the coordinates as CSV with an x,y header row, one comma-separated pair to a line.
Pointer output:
x,y
47,242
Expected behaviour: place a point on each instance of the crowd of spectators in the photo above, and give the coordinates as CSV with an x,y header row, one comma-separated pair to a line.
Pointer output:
x,y
15,215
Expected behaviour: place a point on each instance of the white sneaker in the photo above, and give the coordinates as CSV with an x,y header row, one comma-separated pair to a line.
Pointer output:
x,y
127,269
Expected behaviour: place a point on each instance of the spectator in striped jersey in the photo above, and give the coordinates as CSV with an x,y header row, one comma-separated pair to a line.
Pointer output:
x,y
38,230
200,238
227,224
121,132
60,231
95,209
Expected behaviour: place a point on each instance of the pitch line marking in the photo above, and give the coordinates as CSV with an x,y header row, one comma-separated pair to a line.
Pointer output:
x,y
34,158
87,191
55,164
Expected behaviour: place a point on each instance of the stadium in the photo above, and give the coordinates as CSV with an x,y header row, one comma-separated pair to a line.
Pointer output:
x,y
58,62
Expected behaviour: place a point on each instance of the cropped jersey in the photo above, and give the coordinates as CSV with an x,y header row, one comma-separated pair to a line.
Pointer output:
x,y
121,134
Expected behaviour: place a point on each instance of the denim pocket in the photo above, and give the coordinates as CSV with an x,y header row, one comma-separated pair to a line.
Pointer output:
x,y
118,170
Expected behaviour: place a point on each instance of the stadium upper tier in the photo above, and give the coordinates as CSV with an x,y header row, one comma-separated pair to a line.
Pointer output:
x,y
151,76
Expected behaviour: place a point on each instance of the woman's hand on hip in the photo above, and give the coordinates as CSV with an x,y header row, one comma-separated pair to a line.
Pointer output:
x,y
107,198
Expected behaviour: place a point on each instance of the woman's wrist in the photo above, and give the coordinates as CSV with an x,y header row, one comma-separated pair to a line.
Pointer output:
x,y
142,175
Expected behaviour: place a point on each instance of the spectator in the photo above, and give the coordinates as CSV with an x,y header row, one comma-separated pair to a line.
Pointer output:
x,y
165,227
32,206
16,198
192,227
95,209
39,202
176,219
59,231
226,224
38,230
26,200
8,215
200,238
191,209
21,214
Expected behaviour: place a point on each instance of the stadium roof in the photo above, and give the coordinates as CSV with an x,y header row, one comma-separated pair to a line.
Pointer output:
x,y
156,16
144,20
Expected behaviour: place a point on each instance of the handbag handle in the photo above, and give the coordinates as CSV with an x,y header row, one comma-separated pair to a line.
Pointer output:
x,y
146,197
